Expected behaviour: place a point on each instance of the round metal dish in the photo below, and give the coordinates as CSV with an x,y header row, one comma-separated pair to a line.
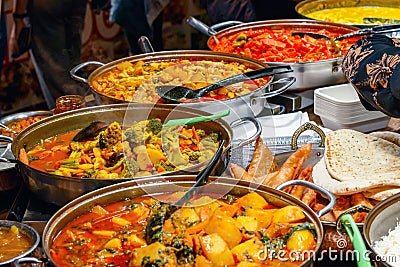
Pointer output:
x,y
380,220
156,186
250,104
29,231
61,189
308,74
305,7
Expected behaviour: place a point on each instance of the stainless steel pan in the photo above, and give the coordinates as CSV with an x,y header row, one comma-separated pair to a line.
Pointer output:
x,y
132,189
60,189
251,104
308,74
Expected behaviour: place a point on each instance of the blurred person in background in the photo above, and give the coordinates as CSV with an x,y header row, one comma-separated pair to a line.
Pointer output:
x,y
227,10
56,42
282,9
139,18
3,36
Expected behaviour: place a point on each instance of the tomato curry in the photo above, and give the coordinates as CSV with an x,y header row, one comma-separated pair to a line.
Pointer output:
x,y
281,46
231,231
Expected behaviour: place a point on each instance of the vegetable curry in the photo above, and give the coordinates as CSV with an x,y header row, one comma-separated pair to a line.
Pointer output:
x,y
13,242
230,231
278,45
135,81
141,149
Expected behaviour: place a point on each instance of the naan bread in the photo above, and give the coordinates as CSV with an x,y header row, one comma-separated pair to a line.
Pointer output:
x,y
321,177
355,156
388,136
381,193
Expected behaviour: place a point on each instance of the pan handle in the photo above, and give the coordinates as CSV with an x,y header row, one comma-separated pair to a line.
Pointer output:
x,y
81,66
285,83
252,138
18,262
145,45
307,126
210,31
222,25
4,138
329,195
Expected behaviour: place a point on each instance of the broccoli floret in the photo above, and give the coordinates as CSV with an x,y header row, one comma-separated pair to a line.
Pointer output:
x,y
214,137
130,167
90,174
111,136
193,155
135,133
154,126
200,133
166,165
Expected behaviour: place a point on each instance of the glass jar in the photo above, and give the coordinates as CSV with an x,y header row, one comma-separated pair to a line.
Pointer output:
x,y
69,102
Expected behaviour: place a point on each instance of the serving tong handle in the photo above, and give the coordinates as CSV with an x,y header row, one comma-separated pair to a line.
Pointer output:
x,y
373,30
362,257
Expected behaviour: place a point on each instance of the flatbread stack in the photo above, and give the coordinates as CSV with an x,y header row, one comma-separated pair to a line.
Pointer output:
x,y
356,162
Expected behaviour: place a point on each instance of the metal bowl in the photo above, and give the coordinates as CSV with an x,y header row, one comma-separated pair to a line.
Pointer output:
x,y
250,104
27,230
380,220
217,186
9,177
308,75
305,7
61,189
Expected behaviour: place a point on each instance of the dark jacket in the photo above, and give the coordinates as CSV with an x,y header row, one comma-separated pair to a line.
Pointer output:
x,y
372,66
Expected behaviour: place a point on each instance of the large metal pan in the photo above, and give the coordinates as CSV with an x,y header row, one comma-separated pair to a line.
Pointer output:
x,y
250,104
60,189
308,74
132,189
380,220
303,8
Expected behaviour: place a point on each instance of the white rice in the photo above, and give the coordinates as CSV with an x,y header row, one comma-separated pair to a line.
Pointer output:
x,y
388,248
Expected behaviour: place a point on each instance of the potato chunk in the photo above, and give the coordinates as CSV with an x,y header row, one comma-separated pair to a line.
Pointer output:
x,y
225,227
252,200
289,214
301,240
249,250
152,253
216,250
249,223
264,217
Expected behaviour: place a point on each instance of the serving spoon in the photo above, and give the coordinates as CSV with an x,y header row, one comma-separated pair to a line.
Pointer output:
x,y
177,93
159,214
361,32
367,31
381,20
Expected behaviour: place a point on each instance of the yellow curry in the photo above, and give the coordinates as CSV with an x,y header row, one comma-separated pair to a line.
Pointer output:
x,y
231,231
356,15
136,81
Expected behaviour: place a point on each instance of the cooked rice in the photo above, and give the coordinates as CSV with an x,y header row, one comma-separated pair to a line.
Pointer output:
x,y
388,248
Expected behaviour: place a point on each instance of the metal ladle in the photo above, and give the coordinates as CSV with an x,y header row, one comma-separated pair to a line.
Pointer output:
x,y
159,214
177,93
367,31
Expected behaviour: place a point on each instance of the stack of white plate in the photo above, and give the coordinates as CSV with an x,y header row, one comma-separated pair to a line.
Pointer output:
x,y
340,108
